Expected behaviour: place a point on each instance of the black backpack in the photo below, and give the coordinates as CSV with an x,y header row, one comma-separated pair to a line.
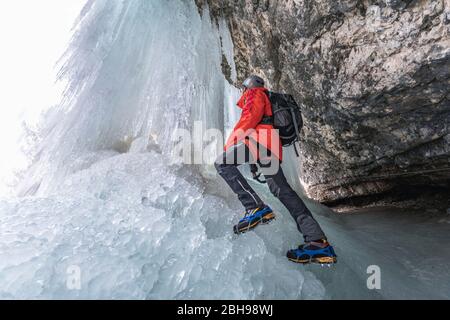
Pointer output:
x,y
286,117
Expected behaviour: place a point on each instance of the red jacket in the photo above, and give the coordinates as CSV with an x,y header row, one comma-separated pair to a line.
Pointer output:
x,y
255,104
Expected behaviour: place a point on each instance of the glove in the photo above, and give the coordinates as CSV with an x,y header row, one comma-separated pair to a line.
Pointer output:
x,y
255,174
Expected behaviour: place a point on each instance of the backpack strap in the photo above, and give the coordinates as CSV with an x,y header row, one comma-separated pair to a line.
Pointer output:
x,y
267,120
295,148
294,119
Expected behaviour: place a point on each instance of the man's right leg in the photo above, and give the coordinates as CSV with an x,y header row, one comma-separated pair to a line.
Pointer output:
x,y
316,248
306,223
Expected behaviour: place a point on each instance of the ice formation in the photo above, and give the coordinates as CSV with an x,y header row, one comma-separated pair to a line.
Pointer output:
x,y
105,204
137,228
103,200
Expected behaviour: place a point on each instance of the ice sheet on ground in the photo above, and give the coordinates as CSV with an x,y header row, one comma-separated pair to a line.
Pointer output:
x,y
136,229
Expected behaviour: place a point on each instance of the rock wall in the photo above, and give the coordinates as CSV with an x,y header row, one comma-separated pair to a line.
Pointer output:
x,y
374,81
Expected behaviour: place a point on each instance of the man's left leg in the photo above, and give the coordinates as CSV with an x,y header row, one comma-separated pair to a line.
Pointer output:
x,y
256,212
316,247
227,167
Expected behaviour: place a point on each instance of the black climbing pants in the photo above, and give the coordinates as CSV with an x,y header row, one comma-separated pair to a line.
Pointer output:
x,y
227,167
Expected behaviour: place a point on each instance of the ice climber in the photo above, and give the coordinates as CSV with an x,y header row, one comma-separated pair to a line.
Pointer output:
x,y
255,141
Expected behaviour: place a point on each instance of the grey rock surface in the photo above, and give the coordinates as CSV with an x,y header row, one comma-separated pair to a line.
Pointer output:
x,y
373,78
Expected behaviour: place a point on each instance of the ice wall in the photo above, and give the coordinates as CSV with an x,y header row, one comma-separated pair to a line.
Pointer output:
x,y
103,212
135,69
132,227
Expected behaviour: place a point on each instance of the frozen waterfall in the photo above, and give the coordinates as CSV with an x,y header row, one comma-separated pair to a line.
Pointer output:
x,y
101,197
105,212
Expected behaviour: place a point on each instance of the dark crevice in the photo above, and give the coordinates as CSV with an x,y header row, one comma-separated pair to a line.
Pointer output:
x,y
424,197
